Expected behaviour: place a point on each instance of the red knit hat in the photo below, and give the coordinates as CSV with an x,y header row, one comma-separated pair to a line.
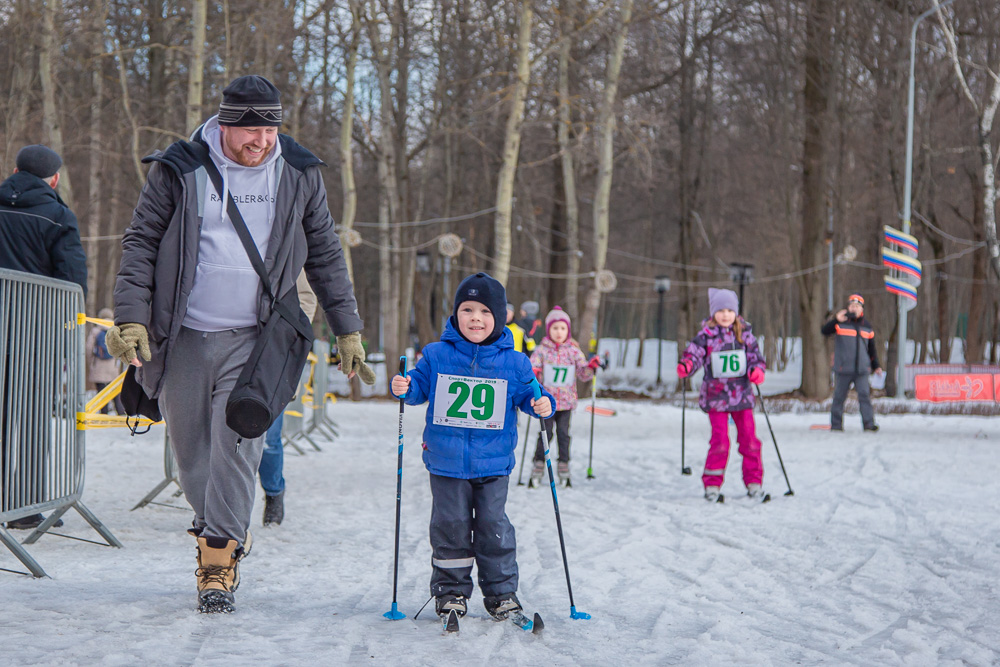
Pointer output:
x,y
557,314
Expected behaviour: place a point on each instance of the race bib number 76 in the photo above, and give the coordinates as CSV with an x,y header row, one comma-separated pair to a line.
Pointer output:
x,y
470,402
729,363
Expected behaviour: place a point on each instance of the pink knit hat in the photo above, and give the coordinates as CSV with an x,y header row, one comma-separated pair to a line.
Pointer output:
x,y
557,314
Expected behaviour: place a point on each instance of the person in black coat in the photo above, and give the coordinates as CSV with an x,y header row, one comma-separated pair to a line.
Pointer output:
x,y
38,232
38,235
854,359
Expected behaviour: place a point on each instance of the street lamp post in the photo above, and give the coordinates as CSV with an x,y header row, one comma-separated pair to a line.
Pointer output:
x,y
662,287
908,191
741,274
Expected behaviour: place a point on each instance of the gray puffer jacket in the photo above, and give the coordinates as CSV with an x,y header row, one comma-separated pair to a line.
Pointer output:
x,y
160,248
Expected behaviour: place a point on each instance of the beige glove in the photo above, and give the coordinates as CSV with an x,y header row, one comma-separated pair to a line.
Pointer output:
x,y
125,340
352,357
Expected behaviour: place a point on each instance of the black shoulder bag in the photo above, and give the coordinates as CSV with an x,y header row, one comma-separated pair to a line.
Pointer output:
x,y
271,375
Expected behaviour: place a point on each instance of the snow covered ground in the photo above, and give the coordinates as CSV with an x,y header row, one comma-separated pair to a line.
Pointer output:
x,y
887,554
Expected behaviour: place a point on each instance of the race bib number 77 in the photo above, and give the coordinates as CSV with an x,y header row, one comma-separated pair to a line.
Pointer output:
x,y
559,376
470,402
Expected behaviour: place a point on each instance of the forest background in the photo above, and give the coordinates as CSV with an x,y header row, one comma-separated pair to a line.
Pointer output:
x,y
547,142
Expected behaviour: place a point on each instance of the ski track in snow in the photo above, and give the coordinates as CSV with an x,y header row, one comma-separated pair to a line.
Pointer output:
x,y
887,554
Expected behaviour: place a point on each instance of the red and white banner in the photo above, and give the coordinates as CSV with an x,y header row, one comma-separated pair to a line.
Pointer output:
x,y
978,387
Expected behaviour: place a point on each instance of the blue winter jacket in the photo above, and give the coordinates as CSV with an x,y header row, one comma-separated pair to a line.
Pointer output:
x,y
470,453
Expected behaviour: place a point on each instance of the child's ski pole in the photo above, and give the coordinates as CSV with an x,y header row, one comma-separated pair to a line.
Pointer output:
x,y
578,615
775,441
684,469
593,404
394,614
593,411
524,452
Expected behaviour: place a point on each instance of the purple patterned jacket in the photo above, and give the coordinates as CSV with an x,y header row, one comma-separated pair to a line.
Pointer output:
x,y
723,394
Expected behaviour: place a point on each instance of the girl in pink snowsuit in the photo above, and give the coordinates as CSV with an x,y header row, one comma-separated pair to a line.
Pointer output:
x,y
728,350
559,363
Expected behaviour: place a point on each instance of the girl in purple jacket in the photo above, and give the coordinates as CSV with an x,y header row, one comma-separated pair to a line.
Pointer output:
x,y
732,360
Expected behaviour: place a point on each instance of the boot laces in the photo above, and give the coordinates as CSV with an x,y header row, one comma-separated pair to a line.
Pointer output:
x,y
214,574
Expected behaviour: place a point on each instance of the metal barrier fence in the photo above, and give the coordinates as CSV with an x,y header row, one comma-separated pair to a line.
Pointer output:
x,y
42,462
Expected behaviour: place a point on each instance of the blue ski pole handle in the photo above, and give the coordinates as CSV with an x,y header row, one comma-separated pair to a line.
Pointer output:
x,y
536,388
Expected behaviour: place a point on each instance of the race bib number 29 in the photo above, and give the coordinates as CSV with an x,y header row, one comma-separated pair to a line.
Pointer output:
x,y
729,363
470,402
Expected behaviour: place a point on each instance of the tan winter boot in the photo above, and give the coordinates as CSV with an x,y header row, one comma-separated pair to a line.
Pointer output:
x,y
219,573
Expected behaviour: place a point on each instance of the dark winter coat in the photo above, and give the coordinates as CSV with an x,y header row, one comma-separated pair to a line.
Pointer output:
x,y
38,232
854,351
160,248
723,394
470,453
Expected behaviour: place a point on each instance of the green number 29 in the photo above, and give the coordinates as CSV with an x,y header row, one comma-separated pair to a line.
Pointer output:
x,y
483,397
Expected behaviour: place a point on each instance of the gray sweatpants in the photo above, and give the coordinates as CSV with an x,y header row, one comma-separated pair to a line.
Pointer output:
x,y
843,385
218,478
469,525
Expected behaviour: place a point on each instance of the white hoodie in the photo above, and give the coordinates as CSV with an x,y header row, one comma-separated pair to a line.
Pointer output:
x,y
226,287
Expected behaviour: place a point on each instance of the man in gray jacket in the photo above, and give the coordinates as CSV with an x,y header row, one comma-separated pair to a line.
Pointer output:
x,y
189,303
854,358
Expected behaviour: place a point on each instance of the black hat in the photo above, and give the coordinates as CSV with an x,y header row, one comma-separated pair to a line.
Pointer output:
x,y
39,160
250,101
487,290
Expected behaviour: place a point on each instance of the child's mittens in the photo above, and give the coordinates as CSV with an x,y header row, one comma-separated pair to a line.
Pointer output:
x,y
756,375
594,363
539,373
684,369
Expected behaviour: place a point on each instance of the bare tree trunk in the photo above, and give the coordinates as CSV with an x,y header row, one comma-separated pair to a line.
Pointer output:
x,y
346,132
390,204
975,336
196,70
21,87
95,208
48,76
605,161
511,148
815,364
985,114
127,105
568,11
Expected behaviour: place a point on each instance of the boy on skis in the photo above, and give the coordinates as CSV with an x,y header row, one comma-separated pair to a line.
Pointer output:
x,y
559,363
473,381
728,350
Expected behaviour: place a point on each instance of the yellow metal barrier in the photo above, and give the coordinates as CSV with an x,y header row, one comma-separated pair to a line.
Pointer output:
x,y
92,417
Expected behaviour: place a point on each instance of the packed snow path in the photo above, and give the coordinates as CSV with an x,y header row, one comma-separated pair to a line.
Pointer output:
x,y
887,554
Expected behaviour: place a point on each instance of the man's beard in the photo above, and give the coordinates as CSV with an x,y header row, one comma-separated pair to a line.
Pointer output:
x,y
245,158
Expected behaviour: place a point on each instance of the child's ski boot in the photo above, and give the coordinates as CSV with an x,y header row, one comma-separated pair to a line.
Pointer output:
x,y
450,608
563,469
537,471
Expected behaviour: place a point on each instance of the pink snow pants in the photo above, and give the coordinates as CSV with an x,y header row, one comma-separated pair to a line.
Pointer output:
x,y
718,448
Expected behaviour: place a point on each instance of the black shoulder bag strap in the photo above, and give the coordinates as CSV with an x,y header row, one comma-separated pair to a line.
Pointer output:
x,y
248,244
